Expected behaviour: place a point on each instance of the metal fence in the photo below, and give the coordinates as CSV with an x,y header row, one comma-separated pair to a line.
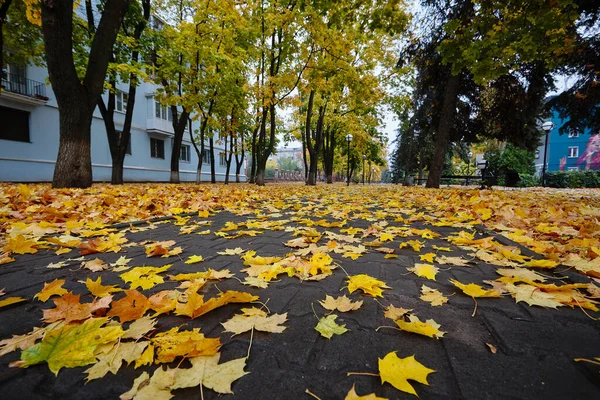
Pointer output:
x,y
26,87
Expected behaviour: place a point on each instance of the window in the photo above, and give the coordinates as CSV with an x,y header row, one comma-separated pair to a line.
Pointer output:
x,y
573,134
573,169
184,155
573,152
206,157
162,112
121,101
222,159
15,124
157,148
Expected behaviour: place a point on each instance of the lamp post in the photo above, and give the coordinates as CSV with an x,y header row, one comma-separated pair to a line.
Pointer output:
x,y
348,139
364,158
469,166
547,127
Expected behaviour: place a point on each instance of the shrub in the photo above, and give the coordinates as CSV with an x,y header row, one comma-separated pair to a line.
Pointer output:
x,y
573,179
527,180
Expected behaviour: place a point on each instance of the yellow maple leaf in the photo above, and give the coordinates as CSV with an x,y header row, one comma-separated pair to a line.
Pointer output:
x,y
424,271
97,289
395,313
194,259
429,257
352,395
11,300
53,288
20,245
541,264
369,285
144,277
428,328
397,371
254,320
475,290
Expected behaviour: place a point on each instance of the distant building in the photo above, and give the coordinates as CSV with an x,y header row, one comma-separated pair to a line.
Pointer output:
x,y
295,153
571,151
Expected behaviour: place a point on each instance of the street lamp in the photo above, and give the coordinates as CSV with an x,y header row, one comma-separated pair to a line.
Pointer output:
x,y
469,166
547,127
348,139
364,158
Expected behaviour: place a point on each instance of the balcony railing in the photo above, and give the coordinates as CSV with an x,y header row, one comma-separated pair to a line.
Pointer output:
x,y
26,87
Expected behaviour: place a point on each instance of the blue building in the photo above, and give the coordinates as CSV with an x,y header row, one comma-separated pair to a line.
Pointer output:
x,y
29,134
571,151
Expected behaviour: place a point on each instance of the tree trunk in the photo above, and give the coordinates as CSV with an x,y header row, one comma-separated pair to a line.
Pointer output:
x,y
180,122
239,162
307,140
442,136
229,157
77,99
211,149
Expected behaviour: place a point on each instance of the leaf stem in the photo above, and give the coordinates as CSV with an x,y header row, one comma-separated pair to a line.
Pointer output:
x,y
362,373
312,394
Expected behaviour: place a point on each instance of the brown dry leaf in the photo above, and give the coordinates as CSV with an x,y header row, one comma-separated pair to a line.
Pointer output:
x,y
131,307
95,265
395,313
341,304
253,318
433,296
492,348
68,308
196,306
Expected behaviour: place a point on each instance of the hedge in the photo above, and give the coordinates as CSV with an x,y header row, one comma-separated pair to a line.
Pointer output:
x,y
573,179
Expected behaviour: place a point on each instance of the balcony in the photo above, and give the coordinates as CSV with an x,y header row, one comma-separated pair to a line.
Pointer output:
x,y
159,126
23,90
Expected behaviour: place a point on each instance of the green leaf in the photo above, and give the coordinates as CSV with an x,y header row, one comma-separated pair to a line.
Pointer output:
x,y
327,327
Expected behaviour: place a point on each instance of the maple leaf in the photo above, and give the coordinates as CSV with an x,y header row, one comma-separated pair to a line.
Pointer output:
x,y
395,313
231,252
133,306
341,303
541,264
121,262
397,371
429,257
438,248
159,248
25,341
194,259
5,258
368,284
53,288
208,372
98,290
173,343
196,306
521,273
156,387
111,361
144,277
353,396
68,308
433,296
416,245
11,300
475,290
458,261
327,327
424,271
71,345
533,296
138,328
386,237
164,301
428,328
251,320
95,265
20,245
255,282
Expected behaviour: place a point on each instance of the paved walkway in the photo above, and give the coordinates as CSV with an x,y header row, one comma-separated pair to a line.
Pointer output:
x,y
535,354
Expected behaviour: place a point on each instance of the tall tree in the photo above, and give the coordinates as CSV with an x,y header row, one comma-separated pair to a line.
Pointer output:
x,y
77,98
125,57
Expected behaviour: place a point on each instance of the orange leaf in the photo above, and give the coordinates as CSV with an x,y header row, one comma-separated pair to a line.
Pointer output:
x,y
51,289
68,308
133,306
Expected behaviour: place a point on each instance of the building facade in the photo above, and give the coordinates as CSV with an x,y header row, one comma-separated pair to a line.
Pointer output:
x,y
571,151
29,135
